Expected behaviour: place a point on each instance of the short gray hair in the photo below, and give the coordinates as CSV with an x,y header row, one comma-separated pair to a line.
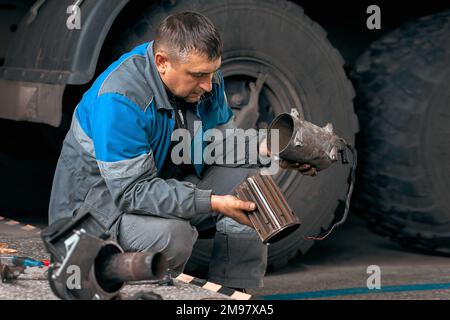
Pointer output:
x,y
182,33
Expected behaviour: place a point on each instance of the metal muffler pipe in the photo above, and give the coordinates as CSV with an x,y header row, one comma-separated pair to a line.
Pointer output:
x,y
273,218
304,142
86,267
134,266
301,142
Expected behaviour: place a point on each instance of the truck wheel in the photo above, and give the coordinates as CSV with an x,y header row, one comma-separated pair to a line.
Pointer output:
x,y
304,72
403,107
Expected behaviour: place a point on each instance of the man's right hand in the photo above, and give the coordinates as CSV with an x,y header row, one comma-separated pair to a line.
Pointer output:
x,y
233,207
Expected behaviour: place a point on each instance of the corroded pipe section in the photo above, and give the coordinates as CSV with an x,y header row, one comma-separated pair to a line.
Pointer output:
x,y
134,266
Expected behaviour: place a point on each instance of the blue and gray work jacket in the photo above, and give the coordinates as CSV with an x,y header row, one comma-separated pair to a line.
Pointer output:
x,y
118,141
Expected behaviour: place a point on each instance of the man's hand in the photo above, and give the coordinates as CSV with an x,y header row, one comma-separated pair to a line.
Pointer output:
x,y
232,207
304,168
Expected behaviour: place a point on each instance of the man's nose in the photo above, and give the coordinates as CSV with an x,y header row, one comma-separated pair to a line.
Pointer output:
x,y
206,84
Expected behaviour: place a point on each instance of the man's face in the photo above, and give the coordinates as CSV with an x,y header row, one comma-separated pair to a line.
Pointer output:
x,y
188,79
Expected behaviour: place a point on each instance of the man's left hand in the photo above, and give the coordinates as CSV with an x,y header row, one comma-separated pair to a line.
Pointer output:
x,y
304,168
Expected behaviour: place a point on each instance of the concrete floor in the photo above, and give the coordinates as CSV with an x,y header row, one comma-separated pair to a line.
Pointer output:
x,y
335,268
26,240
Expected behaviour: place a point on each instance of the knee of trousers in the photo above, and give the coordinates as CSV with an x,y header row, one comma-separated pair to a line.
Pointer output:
x,y
175,238
230,226
179,242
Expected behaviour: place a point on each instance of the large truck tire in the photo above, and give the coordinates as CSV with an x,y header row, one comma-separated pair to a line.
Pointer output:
x,y
404,143
304,72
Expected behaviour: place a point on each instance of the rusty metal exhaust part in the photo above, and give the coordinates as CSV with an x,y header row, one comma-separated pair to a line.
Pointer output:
x,y
134,266
273,218
85,266
304,142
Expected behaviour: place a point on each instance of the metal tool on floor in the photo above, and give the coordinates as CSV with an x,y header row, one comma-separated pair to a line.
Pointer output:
x,y
14,267
8,273
15,260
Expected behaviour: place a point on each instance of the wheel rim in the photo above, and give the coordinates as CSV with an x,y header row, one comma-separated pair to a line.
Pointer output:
x,y
277,96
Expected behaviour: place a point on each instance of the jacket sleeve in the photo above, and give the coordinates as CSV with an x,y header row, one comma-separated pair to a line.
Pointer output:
x,y
127,165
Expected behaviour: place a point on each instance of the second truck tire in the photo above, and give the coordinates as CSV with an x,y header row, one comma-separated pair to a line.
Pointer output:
x,y
404,144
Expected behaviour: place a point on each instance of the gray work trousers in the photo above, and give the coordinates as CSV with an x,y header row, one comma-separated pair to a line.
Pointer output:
x,y
239,258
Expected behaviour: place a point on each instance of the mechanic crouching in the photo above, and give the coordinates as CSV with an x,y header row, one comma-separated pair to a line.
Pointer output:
x,y
116,158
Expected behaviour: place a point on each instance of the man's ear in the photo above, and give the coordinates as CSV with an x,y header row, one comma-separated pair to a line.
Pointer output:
x,y
161,61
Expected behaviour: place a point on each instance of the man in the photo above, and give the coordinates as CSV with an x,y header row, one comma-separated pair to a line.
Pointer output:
x,y
116,158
